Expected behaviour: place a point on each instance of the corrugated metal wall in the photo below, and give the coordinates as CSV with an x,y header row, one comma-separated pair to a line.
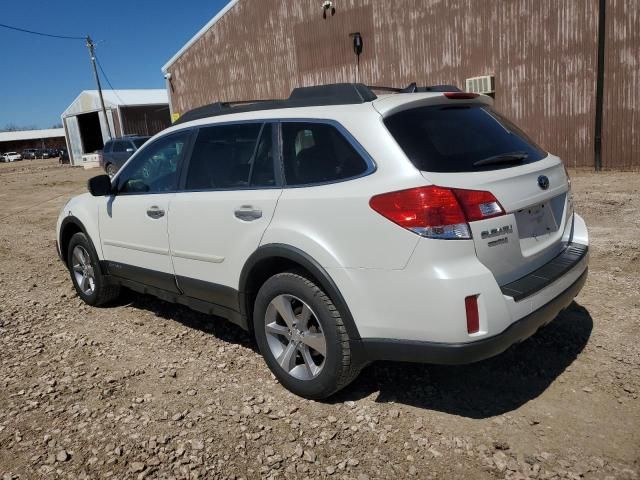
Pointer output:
x,y
621,107
146,120
542,52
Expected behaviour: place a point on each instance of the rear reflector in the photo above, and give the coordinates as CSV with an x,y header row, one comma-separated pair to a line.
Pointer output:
x,y
460,95
437,212
473,318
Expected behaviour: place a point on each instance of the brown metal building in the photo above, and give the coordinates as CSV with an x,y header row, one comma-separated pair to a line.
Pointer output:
x,y
542,53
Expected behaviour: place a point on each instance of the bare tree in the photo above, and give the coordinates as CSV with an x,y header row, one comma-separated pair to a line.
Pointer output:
x,y
12,127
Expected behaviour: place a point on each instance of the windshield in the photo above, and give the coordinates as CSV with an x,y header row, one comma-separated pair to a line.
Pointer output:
x,y
461,138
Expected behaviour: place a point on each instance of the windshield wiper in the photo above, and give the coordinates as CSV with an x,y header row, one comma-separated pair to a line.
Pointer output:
x,y
511,157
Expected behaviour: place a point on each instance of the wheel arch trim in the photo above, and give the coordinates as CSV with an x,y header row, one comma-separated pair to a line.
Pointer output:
x,y
295,255
72,220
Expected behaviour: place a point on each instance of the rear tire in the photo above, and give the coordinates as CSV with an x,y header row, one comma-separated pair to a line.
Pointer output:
x,y
91,285
301,335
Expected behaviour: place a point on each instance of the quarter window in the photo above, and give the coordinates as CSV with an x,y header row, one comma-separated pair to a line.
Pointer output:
x,y
155,168
318,153
231,157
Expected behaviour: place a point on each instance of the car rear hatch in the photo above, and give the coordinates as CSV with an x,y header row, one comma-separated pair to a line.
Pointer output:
x,y
459,142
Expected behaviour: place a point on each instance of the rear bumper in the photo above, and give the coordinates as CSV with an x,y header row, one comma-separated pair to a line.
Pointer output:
x,y
462,353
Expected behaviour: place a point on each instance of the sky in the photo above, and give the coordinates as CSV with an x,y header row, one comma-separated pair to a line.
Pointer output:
x,y
40,76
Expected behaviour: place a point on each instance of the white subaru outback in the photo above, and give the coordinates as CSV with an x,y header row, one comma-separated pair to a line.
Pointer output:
x,y
340,227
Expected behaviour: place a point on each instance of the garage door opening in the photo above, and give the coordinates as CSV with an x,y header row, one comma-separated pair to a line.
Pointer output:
x,y
90,132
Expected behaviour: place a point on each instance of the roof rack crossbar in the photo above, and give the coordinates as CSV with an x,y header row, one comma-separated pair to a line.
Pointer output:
x,y
414,88
332,94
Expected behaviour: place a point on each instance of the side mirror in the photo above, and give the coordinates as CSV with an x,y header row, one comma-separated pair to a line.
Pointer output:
x,y
100,186
129,150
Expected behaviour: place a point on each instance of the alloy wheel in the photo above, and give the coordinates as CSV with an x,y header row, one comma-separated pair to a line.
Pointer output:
x,y
83,270
295,337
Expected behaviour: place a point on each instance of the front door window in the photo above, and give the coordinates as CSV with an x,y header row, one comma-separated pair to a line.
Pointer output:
x,y
155,167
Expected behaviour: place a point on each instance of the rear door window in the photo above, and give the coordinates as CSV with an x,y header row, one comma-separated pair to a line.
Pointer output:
x,y
138,142
120,147
227,157
461,138
318,153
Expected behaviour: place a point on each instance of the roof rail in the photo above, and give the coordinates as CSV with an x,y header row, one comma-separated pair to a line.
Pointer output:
x,y
314,96
331,94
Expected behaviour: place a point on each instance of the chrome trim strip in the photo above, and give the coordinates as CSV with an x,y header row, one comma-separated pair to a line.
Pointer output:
x,y
371,164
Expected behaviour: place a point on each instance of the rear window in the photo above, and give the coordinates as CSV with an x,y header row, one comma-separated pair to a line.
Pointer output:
x,y
461,138
138,142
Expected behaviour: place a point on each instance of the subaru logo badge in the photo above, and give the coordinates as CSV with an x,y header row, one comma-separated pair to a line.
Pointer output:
x,y
543,182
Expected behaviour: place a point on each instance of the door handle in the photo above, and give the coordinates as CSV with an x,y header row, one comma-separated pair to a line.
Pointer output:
x,y
248,213
155,212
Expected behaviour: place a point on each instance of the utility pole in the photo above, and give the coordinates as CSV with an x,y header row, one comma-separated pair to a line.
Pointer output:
x,y
91,46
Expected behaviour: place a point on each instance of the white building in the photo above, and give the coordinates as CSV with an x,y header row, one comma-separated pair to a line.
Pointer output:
x,y
129,112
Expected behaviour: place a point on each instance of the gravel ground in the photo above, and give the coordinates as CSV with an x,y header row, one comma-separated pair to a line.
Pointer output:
x,y
146,389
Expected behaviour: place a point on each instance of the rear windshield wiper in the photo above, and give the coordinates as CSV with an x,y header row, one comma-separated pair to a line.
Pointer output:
x,y
511,157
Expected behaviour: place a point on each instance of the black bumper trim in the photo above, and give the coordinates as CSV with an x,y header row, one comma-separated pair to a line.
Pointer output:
x,y
546,274
462,353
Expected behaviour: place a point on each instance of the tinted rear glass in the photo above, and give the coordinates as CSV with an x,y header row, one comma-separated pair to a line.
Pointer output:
x,y
447,138
318,153
138,142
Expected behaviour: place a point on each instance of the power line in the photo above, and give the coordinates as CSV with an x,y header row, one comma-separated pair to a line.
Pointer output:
x,y
107,79
24,30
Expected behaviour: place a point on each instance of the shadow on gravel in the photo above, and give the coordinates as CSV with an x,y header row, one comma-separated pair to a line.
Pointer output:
x,y
484,389
211,325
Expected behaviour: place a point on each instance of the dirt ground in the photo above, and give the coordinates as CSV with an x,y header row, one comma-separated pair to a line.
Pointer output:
x,y
146,389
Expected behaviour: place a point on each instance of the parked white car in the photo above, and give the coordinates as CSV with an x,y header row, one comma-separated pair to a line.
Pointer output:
x,y
11,157
339,227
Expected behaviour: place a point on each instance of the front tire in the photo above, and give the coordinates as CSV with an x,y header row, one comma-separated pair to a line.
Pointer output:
x,y
91,285
301,335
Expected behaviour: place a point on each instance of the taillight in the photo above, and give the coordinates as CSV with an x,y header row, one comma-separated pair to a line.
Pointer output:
x,y
437,212
566,172
570,208
460,95
478,205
